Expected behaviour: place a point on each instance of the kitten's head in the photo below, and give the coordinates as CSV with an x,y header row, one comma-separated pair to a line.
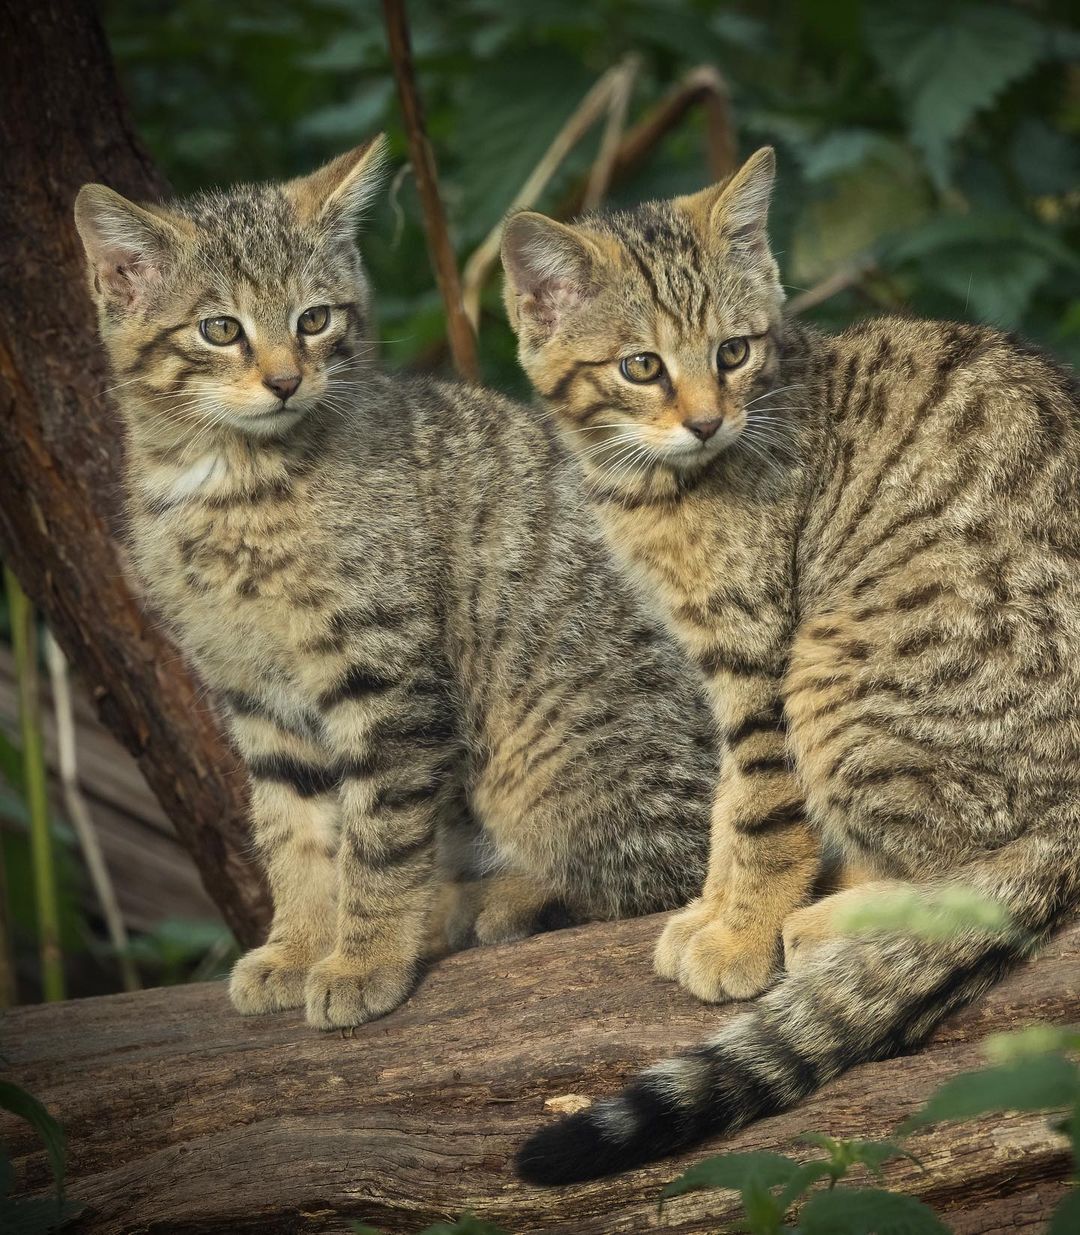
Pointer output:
x,y
239,310
650,331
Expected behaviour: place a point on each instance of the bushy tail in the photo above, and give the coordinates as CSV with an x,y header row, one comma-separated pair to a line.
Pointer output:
x,y
858,999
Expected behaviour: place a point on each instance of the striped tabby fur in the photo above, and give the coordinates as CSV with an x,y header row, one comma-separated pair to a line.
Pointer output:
x,y
429,665
871,546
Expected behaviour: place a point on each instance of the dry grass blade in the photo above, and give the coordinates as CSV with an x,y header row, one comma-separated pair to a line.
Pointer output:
x,y
79,813
601,96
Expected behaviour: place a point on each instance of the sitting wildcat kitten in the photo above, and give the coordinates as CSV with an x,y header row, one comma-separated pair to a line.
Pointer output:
x,y
427,663
871,546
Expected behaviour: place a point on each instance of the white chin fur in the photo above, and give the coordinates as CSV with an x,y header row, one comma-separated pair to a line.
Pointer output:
x,y
266,424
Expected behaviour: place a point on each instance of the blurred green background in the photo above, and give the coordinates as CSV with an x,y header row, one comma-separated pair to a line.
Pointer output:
x,y
939,138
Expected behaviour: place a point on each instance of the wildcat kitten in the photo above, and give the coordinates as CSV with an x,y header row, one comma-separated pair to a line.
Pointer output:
x,y
871,545
429,665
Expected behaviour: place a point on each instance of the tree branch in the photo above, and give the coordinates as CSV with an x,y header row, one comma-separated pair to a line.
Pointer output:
x,y
459,329
182,1116
63,123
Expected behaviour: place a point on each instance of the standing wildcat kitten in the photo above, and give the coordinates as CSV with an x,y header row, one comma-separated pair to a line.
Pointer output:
x,y
871,546
424,661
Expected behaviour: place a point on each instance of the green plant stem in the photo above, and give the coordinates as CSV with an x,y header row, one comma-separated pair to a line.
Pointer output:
x,y
41,848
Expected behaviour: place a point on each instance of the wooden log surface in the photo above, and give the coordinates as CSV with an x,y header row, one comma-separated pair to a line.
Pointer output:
x,y
183,1117
62,123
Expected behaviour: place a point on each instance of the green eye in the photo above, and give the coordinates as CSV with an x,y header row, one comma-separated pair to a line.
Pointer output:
x,y
221,331
314,321
645,367
732,353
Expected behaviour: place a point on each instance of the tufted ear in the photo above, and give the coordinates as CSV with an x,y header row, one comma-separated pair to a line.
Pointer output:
x,y
549,269
738,208
128,247
338,192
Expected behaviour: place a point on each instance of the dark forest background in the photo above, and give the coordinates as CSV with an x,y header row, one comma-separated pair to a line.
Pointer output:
x,y
938,139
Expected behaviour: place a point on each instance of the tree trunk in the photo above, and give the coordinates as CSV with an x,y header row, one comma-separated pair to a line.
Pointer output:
x,y
63,122
183,1117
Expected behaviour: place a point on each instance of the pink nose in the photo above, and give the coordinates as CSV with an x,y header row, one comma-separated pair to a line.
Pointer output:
x,y
282,384
703,429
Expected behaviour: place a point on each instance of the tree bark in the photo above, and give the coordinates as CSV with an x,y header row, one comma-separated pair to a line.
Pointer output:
x,y
183,1117
62,123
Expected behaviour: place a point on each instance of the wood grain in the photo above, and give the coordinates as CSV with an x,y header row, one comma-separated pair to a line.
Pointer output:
x,y
183,1117
62,123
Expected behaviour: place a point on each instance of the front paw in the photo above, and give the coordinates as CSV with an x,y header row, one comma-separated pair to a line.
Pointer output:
x,y
344,990
711,960
269,979
676,936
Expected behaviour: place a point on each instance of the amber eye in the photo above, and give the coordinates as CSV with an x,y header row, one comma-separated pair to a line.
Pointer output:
x,y
221,331
314,321
645,367
732,353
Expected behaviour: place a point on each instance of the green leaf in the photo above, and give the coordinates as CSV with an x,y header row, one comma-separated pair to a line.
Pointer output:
x,y
1046,159
949,61
353,121
1038,1083
736,1172
856,210
804,1178
1034,1040
928,913
867,1211
1066,1218
841,150
27,1107
467,1224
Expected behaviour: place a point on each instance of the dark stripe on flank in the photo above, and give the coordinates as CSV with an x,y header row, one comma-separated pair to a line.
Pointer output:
x,y
359,682
307,779
721,660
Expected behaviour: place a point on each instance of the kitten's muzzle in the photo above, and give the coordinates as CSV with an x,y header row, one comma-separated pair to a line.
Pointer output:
x,y
284,385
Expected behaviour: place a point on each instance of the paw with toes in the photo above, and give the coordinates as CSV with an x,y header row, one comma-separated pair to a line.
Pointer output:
x,y
269,979
343,991
714,961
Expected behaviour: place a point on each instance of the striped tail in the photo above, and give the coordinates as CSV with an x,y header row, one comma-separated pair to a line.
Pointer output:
x,y
855,1000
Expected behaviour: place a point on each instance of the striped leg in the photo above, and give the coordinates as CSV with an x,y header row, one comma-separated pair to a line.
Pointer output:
x,y
763,859
395,752
294,823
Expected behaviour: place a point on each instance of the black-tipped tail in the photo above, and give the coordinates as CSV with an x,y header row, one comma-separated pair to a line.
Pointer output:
x,y
612,1135
810,1028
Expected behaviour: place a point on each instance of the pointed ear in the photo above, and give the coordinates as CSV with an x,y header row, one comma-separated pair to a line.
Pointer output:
x,y
128,247
738,208
549,269
337,193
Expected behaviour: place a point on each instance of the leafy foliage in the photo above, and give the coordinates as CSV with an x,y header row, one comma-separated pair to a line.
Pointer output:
x,y
939,141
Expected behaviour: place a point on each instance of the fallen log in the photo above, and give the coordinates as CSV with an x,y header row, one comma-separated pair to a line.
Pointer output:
x,y
183,1117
